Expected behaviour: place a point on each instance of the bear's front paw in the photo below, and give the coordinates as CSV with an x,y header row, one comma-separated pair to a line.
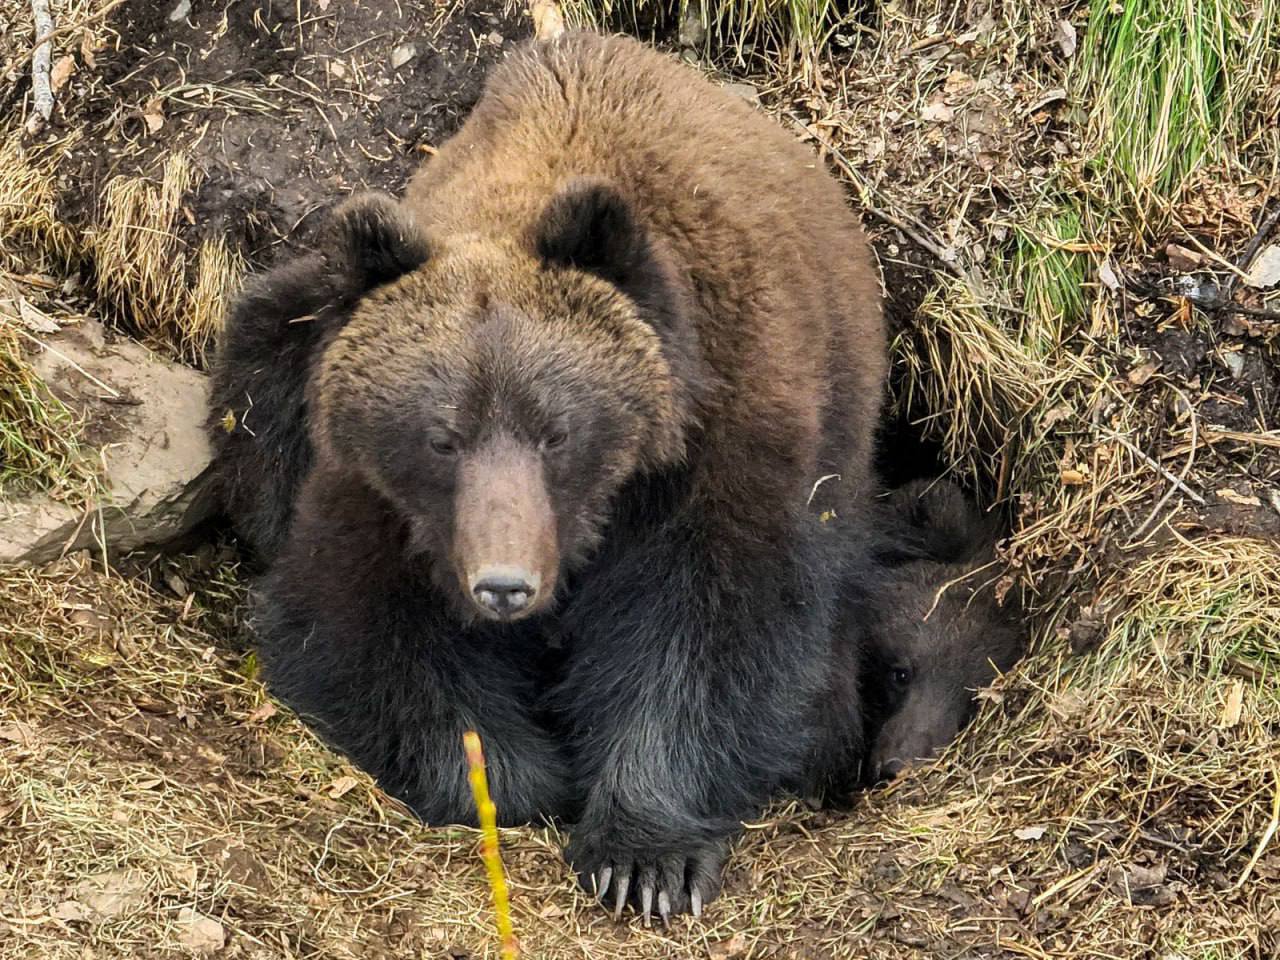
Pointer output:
x,y
673,881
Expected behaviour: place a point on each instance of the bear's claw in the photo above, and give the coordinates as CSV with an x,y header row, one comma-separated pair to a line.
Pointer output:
x,y
676,884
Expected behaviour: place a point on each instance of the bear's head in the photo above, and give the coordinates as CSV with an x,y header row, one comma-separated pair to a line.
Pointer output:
x,y
932,650
500,391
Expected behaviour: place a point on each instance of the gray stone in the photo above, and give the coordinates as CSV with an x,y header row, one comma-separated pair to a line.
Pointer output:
x,y
144,417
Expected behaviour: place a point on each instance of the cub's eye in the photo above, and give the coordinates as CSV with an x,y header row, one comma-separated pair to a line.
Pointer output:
x,y
555,437
445,446
901,676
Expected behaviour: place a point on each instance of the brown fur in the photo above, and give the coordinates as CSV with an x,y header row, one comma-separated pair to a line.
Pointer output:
x,y
655,309
756,234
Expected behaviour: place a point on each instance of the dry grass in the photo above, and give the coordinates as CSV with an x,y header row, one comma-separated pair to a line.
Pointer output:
x,y
1117,795
28,217
1100,803
39,446
792,31
140,262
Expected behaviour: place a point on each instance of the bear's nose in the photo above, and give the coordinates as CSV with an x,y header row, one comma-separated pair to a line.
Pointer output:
x,y
503,593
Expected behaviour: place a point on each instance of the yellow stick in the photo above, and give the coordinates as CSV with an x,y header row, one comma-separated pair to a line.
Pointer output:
x,y
489,844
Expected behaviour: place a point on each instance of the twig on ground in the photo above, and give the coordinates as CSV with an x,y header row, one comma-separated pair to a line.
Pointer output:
x,y
41,64
44,38
1154,465
918,232
1181,482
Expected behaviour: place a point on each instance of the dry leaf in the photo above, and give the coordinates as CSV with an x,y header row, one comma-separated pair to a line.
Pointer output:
x,y
1050,96
35,319
1265,271
1182,258
18,732
114,894
1239,499
262,713
61,72
1107,274
1029,833
735,946
154,114
1234,707
89,50
958,82
183,872
70,912
200,933
342,786
1068,705
1065,36
1142,372
937,112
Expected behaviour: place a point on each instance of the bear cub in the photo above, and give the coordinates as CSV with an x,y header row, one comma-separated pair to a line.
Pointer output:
x,y
935,634
585,380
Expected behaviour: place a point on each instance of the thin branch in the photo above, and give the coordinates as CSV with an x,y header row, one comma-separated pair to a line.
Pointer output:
x,y
43,39
910,226
41,62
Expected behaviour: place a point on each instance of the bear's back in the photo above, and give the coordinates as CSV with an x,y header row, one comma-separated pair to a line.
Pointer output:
x,y
789,298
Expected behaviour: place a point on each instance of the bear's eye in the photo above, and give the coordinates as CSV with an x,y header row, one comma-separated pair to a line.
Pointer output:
x,y
444,445
901,676
555,437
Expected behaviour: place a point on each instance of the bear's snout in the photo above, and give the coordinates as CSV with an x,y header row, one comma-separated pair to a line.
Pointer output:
x,y
505,550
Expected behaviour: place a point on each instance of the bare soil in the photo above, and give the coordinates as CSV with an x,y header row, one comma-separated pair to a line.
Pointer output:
x,y
282,107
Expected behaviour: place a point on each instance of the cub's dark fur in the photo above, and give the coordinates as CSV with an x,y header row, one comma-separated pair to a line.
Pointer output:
x,y
582,382
936,634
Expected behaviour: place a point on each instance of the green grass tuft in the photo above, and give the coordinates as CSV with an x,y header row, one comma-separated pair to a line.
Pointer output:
x,y
1052,271
1171,86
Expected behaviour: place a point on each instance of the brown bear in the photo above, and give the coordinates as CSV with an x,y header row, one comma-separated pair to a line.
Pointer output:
x,y
595,378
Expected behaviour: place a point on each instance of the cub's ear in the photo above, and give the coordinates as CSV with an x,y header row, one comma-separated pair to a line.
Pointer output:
x,y
373,239
589,225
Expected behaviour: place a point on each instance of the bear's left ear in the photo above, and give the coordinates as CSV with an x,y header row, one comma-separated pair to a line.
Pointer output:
x,y
590,226
376,238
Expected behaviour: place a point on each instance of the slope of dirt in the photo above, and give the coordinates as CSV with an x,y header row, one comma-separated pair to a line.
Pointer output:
x,y
282,107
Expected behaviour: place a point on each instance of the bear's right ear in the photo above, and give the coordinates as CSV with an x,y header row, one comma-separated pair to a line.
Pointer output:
x,y
374,240
589,225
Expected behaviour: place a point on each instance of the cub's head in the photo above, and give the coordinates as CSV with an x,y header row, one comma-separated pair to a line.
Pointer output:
x,y
927,661
501,392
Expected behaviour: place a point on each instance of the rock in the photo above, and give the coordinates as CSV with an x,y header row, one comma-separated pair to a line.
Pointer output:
x,y
106,896
149,435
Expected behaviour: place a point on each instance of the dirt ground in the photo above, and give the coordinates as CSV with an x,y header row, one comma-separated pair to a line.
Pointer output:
x,y
1117,796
